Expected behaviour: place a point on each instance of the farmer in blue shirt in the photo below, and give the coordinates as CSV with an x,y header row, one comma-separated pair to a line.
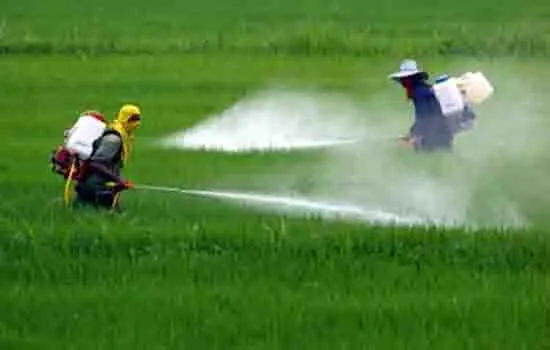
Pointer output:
x,y
431,130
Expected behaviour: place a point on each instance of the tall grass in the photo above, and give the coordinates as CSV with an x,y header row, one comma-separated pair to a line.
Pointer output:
x,y
368,29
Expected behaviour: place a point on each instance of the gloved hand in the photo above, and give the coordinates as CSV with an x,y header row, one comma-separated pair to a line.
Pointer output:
x,y
406,138
121,185
409,140
125,185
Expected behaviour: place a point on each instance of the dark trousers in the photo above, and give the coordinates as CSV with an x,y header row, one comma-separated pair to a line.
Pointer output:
x,y
98,197
433,134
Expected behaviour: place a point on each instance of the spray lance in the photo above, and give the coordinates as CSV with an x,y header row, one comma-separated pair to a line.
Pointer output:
x,y
294,204
113,185
160,188
147,187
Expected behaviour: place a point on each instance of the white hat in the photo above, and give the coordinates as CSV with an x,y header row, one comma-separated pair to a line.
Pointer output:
x,y
406,69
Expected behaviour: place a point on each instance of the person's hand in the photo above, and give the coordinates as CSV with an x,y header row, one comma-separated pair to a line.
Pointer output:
x,y
405,138
408,140
125,185
120,185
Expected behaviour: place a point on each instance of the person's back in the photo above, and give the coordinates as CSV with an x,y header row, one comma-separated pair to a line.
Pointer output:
x,y
424,100
430,126
94,187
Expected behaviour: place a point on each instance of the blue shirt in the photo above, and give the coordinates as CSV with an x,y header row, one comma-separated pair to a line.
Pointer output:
x,y
425,102
430,124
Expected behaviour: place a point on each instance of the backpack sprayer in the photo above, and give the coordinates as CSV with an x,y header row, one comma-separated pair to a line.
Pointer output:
x,y
69,158
453,94
456,96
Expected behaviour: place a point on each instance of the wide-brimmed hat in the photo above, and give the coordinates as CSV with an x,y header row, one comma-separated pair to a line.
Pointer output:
x,y
408,68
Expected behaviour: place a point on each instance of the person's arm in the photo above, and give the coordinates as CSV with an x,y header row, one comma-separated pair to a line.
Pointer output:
x,y
465,120
468,113
106,152
103,170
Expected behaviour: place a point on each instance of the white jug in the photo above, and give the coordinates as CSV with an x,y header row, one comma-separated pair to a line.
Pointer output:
x,y
82,135
475,87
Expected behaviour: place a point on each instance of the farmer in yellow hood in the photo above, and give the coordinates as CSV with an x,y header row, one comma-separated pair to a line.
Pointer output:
x,y
101,182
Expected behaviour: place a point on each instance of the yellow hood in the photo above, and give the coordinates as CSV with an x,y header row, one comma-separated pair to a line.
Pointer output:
x,y
126,122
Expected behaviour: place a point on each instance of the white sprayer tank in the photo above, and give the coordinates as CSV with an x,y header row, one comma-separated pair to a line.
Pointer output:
x,y
475,86
449,96
82,135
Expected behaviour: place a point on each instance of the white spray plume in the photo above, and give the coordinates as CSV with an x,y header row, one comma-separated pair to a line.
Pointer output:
x,y
273,120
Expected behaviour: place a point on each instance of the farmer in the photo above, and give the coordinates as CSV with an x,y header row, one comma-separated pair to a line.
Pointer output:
x,y
101,182
431,130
